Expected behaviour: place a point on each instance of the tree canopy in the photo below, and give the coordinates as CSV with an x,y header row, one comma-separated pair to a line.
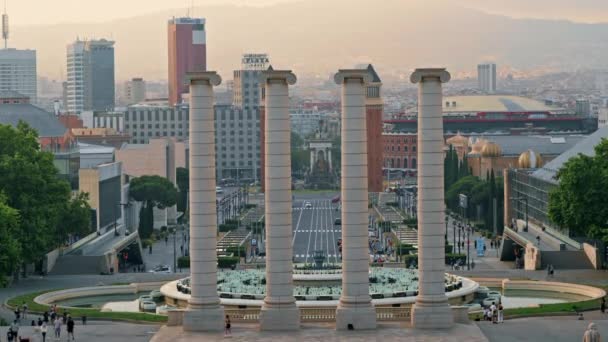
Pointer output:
x,y
154,192
183,184
33,190
579,201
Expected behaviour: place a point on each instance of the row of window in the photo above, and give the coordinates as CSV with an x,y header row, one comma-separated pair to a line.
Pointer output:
x,y
397,140
396,163
405,149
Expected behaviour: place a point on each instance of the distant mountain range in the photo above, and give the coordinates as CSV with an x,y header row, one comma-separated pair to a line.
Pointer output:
x,y
320,36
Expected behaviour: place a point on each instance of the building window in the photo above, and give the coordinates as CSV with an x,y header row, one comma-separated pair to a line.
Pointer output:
x,y
414,148
405,163
156,116
404,148
414,163
149,116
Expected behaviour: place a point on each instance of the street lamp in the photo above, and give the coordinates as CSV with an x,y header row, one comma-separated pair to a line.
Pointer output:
x,y
525,199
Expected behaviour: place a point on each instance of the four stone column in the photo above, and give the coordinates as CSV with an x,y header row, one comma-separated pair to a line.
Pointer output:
x,y
355,306
279,311
204,310
431,310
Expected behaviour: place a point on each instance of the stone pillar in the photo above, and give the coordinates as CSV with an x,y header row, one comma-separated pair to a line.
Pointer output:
x,y
279,311
204,310
431,310
355,305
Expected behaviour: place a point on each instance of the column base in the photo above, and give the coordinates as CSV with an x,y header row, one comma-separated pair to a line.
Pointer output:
x,y
432,316
280,318
204,319
361,317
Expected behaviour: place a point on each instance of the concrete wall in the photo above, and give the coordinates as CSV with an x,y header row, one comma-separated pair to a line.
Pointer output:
x,y
592,255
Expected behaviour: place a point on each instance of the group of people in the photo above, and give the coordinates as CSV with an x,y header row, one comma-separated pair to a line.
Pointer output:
x,y
50,318
494,313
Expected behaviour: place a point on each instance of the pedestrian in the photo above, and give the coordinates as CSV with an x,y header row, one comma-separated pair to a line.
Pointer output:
x,y
603,305
501,318
17,314
46,317
43,330
39,321
57,329
24,309
475,243
84,319
228,331
472,264
9,335
538,240
70,328
150,249
166,240
494,313
15,329
591,334
491,244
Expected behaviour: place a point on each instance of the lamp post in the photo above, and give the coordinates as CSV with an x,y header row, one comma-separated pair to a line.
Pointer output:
x,y
468,248
174,250
525,199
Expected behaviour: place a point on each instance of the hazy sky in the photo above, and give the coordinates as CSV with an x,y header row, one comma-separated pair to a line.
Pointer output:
x,y
27,12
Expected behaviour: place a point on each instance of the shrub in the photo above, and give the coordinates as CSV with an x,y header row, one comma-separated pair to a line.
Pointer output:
x,y
163,229
145,243
183,262
250,205
227,262
224,227
240,251
232,222
392,204
411,222
448,249
403,248
449,258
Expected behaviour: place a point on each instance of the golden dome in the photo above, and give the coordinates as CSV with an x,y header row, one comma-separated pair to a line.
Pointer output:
x,y
457,140
491,149
478,145
530,160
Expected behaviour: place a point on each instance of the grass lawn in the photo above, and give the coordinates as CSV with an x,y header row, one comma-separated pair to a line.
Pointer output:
x,y
548,309
36,308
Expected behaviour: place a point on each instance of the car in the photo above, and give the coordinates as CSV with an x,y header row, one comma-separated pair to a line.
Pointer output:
x,y
148,306
338,222
307,204
219,190
161,269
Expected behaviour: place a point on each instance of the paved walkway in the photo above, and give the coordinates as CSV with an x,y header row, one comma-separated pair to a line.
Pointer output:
x,y
93,332
326,333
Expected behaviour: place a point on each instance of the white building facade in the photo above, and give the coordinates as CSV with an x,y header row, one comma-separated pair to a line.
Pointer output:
x,y
18,72
486,77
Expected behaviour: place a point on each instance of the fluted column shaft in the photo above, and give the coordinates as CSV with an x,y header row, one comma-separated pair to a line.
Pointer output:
x,y
355,302
204,304
431,309
279,311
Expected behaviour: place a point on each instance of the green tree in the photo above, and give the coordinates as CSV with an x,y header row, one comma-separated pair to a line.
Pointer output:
x,y
75,218
153,192
579,201
299,156
10,248
30,182
183,184
467,186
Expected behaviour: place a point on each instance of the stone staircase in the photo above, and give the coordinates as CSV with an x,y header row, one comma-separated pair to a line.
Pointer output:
x,y
233,238
565,260
406,235
79,264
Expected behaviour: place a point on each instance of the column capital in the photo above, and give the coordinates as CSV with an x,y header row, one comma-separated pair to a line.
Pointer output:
x,y
419,74
204,77
278,75
343,74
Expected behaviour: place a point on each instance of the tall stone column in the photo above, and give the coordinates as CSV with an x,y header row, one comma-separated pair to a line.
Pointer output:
x,y
355,305
204,310
431,310
279,311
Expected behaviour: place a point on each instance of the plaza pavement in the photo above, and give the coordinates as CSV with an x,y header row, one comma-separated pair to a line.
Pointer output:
x,y
93,332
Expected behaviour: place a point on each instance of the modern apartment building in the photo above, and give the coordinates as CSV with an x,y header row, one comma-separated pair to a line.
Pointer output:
x,y
90,75
246,87
18,72
486,77
187,52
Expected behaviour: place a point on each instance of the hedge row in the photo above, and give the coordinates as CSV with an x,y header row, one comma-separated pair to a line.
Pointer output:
x,y
222,262
449,259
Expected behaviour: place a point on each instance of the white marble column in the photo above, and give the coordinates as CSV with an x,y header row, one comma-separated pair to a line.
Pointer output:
x,y
355,306
204,310
431,310
279,311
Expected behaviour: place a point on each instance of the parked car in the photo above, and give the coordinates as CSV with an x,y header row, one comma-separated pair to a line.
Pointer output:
x,y
161,269
219,190
307,205
338,222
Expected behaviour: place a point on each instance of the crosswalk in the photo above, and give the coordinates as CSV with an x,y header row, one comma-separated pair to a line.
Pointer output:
x,y
311,256
315,208
320,231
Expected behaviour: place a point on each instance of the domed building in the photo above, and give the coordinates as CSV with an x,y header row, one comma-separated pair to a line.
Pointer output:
x,y
459,143
491,150
530,160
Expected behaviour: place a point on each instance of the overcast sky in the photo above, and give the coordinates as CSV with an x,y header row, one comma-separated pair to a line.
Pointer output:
x,y
28,12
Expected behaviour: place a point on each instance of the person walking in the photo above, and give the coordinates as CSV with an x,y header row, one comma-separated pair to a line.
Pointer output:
x,y
591,334
14,328
57,328
24,310
603,305
501,318
84,319
70,326
494,313
227,330
43,331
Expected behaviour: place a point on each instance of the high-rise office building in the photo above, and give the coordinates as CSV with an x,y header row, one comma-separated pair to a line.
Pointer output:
x,y
90,83
246,87
187,52
486,77
135,90
18,72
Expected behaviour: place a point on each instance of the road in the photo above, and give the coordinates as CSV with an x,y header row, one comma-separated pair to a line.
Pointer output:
x,y
314,229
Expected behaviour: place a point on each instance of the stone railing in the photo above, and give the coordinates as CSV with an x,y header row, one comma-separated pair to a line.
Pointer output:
x,y
321,314
317,314
243,315
393,314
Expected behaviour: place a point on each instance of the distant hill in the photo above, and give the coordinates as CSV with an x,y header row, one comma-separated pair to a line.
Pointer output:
x,y
319,36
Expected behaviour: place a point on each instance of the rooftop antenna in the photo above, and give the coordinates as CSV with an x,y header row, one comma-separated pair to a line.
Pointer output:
x,y
5,26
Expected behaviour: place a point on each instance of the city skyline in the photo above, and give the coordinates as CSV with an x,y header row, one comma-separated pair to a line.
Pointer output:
x,y
149,60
